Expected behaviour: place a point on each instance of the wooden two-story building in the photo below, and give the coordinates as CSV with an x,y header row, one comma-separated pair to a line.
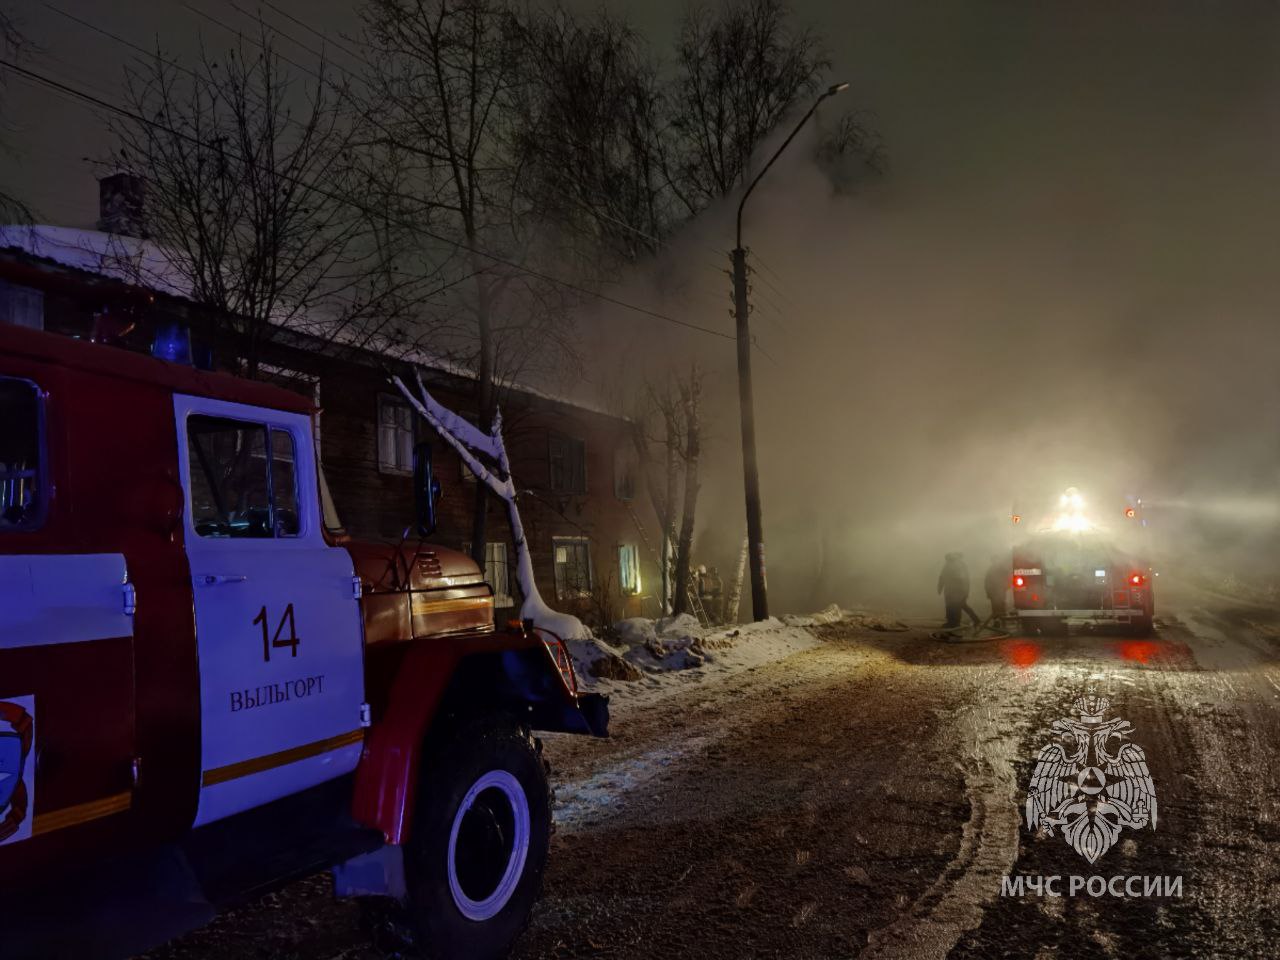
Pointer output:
x,y
590,527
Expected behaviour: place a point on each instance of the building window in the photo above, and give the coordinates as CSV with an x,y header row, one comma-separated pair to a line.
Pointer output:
x,y
568,459
395,436
21,306
498,574
22,483
573,567
626,466
242,479
629,569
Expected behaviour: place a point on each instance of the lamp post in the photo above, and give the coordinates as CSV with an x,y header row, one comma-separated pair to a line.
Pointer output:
x,y
746,400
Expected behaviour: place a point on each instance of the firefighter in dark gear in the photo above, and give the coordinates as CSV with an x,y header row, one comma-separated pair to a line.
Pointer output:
x,y
997,585
953,584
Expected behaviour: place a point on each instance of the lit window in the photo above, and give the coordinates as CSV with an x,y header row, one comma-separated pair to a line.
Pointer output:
x,y
573,567
395,436
629,569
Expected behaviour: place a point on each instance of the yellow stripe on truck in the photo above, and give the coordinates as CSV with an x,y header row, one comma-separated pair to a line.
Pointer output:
x,y
80,813
421,606
246,768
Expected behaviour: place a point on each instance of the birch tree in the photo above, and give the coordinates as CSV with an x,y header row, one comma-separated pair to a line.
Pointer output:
x,y
478,450
441,83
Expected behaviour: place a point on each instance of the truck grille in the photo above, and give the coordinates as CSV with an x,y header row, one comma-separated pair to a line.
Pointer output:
x,y
429,565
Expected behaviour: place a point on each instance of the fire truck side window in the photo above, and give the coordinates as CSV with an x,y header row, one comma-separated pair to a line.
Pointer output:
x,y
21,484
284,484
236,489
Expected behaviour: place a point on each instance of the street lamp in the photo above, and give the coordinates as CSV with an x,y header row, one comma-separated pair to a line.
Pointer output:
x,y
746,401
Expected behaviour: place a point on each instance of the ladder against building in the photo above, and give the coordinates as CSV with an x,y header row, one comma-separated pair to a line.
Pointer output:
x,y
695,602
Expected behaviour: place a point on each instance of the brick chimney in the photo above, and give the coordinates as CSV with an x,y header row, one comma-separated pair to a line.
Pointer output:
x,y
120,205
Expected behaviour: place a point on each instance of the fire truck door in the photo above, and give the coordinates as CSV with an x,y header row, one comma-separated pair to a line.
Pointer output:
x,y
278,627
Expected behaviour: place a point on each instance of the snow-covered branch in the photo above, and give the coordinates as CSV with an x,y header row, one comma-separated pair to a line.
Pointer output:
x,y
468,441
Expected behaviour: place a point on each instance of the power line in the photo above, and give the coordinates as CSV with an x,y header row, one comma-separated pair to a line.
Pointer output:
x,y
311,29
144,52
765,266
117,38
257,43
768,271
298,181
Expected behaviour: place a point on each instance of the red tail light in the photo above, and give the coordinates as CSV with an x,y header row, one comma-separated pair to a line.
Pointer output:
x,y
1137,580
1019,582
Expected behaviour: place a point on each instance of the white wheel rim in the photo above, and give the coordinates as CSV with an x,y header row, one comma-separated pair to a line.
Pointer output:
x,y
490,906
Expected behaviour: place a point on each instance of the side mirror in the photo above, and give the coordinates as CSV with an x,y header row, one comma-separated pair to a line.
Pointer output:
x,y
426,489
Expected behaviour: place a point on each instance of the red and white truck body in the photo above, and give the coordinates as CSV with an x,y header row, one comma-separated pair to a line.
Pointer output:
x,y
205,690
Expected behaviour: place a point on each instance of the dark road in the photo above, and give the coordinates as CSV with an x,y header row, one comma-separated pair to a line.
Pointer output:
x,y
865,798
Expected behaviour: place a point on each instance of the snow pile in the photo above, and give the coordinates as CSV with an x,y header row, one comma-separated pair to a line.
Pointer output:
x,y
832,614
594,659
642,657
636,631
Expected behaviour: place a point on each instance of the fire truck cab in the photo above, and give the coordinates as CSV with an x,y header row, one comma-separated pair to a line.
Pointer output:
x,y
206,689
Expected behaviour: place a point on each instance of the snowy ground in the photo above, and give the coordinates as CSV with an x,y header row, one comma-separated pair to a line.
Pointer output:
x,y
647,660
673,659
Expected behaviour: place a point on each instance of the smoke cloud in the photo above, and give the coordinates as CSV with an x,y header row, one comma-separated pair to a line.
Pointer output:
x,y
1066,278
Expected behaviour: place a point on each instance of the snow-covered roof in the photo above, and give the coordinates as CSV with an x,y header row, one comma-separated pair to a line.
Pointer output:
x,y
145,264
128,259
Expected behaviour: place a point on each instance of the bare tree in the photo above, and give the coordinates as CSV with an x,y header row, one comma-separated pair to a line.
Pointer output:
x,y
743,67
441,83
13,43
655,434
591,124
667,433
252,197
690,453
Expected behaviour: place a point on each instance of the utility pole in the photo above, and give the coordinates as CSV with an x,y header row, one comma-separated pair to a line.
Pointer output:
x,y
750,468
746,398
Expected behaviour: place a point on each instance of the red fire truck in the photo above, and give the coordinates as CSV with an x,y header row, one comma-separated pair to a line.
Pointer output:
x,y
1074,567
207,689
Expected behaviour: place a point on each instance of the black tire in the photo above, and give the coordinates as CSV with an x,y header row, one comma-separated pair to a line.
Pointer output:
x,y
1141,626
470,896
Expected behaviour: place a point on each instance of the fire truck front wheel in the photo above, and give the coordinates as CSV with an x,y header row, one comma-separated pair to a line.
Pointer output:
x,y
475,860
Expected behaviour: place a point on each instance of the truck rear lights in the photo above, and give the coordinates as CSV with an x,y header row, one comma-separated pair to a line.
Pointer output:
x,y
1019,582
1136,579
